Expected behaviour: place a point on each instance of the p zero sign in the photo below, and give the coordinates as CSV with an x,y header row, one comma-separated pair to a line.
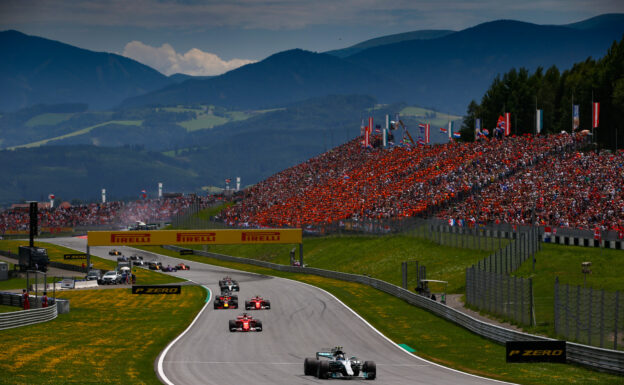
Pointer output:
x,y
193,237
536,351
156,289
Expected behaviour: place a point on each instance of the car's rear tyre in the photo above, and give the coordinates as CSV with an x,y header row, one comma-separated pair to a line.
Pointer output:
x,y
247,305
232,325
370,369
310,366
323,370
267,304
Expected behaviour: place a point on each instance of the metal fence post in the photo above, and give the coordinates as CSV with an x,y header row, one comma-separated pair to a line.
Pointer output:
x,y
578,312
556,309
404,274
515,298
602,294
617,315
532,321
567,312
589,322
523,292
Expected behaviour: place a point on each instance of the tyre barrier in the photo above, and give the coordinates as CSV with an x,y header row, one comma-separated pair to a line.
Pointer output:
x,y
605,360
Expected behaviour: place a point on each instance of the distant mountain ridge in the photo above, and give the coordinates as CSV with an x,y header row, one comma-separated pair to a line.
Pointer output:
x,y
444,73
34,70
423,34
283,78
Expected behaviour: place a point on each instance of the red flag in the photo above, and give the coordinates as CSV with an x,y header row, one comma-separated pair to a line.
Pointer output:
x,y
427,131
507,123
595,112
369,131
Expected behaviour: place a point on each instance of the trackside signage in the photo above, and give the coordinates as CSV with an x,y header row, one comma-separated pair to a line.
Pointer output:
x,y
74,256
156,289
193,237
536,351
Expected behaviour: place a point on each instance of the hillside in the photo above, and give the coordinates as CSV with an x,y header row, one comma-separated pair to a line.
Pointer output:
x,y
390,39
282,78
80,172
445,72
450,71
35,70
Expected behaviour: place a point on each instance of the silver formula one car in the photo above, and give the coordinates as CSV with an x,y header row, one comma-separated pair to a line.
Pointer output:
x,y
227,283
333,363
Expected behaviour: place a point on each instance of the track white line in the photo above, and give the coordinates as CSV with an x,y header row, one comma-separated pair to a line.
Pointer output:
x,y
161,372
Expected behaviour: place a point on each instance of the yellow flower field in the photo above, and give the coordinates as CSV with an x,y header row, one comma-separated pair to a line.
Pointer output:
x,y
109,336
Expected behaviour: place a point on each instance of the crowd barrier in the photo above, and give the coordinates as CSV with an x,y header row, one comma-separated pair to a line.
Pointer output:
x,y
596,358
581,241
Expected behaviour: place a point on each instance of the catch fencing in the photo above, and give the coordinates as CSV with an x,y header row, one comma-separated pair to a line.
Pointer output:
x,y
596,358
491,288
504,295
588,316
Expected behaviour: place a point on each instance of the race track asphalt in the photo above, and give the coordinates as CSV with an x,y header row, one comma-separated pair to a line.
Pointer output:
x,y
302,320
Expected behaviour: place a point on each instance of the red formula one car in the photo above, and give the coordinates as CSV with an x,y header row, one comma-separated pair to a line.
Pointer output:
x,y
245,323
257,303
182,266
226,301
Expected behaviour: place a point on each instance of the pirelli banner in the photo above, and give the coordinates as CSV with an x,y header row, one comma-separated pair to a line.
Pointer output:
x,y
193,237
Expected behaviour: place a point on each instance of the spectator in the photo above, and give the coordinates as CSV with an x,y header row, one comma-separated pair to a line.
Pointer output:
x,y
25,299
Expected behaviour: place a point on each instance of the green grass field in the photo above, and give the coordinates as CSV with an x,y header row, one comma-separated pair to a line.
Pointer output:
x,y
7,309
78,132
48,119
433,338
209,120
104,339
379,257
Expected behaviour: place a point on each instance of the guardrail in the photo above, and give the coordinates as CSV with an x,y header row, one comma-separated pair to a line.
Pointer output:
x,y
28,317
596,358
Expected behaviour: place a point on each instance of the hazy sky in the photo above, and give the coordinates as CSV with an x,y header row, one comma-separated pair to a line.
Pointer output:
x,y
206,37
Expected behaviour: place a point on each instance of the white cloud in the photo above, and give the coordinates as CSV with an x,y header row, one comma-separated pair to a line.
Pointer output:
x,y
194,62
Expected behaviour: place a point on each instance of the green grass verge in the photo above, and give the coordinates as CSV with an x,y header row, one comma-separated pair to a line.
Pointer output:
x,y
433,338
78,132
379,257
48,119
7,309
108,337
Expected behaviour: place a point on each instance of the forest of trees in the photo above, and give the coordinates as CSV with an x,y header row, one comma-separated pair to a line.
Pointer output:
x,y
521,93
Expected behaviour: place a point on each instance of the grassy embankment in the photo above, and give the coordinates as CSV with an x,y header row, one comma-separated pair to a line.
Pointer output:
x,y
433,338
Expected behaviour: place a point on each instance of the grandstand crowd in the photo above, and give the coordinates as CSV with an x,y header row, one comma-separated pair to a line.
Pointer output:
x,y
543,180
116,213
354,183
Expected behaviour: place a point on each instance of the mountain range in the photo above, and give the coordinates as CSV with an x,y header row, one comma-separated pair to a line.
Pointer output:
x,y
436,68
444,72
